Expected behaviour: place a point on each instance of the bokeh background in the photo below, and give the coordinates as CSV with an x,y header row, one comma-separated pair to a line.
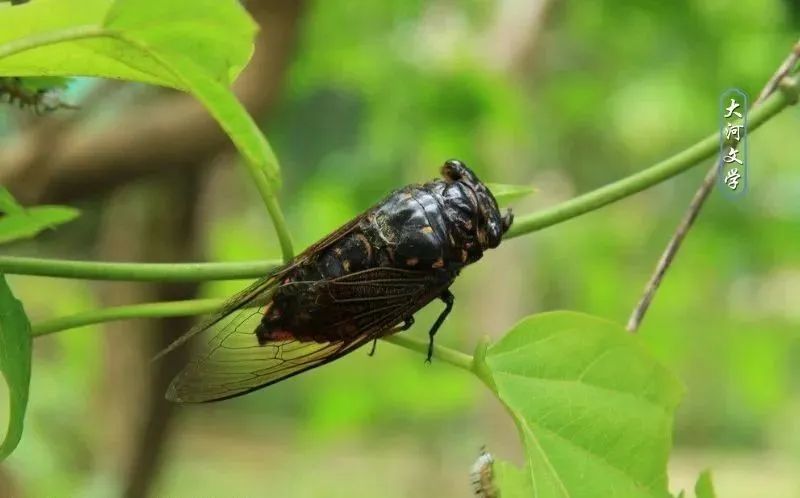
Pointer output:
x,y
362,97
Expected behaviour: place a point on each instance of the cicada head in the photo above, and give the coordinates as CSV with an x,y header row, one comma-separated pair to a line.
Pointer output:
x,y
480,216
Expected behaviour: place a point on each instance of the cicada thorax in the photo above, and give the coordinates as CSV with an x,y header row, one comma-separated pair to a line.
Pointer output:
x,y
445,224
412,231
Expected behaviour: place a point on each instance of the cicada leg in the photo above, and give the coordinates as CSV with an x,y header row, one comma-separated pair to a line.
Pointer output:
x,y
448,299
407,323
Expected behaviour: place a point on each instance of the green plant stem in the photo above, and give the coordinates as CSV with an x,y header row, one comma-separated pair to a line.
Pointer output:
x,y
148,310
649,177
203,306
162,272
278,220
451,356
273,208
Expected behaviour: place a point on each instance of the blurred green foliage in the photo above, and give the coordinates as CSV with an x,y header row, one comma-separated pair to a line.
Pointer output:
x,y
378,96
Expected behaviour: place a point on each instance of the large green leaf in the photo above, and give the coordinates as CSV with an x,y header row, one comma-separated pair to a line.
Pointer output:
x,y
195,45
15,363
593,408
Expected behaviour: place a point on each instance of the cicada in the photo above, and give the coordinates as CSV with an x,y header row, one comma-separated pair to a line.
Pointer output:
x,y
362,282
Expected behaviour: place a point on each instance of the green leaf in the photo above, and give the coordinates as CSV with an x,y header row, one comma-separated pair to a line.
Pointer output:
x,y
8,204
704,487
593,408
125,38
29,222
15,363
21,223
512,481
35,83
194,45
507,194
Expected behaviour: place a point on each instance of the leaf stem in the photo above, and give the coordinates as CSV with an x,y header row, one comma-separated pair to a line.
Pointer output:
x,y
148,310
202,306
278,220
451,356
162,272
479,366
647,178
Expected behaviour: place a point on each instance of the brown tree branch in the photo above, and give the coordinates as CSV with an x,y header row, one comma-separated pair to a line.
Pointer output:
x,y
174,132
153,416
697,202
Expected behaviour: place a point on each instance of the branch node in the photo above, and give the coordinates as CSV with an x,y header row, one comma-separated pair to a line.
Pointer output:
x,y
790,88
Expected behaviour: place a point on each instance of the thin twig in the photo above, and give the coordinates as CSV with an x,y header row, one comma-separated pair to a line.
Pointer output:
x,y
698,200
132,272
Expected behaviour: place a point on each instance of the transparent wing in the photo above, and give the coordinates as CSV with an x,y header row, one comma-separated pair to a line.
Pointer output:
x,y
255,295
260,292
233,363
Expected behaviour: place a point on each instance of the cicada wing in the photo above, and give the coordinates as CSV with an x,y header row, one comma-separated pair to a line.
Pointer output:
x,y
233,363
260,292
255,295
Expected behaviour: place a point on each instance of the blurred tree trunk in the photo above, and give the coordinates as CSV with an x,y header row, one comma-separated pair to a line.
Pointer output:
x,y
155,221
9,486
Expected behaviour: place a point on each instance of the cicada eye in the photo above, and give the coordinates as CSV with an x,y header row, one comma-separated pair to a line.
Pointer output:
x,y
453,170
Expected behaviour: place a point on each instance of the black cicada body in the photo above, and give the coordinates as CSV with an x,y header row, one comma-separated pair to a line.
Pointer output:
x,y
364,281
